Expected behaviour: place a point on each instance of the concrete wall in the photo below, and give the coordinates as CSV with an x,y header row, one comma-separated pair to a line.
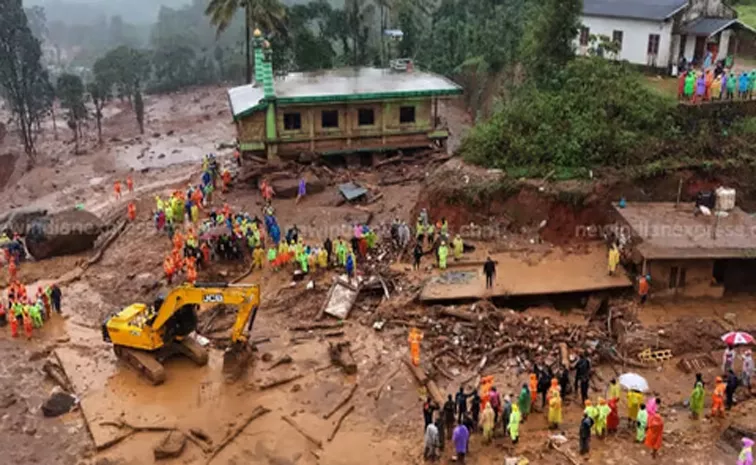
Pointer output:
x,y
698,278
635,38
385,132
707,9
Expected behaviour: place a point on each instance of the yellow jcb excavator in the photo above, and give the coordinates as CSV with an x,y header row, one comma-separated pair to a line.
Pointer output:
x,y
146,335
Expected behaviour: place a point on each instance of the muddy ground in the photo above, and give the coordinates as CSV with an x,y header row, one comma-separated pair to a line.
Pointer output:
x,y
184,127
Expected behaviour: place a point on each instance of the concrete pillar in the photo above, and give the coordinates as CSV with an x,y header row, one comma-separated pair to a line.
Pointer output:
x,y
724,44
690,47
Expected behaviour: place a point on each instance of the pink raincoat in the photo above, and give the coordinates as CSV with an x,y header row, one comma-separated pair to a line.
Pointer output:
x,y
746,455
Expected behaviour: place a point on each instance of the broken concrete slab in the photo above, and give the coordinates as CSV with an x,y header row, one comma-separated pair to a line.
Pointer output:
x,y
288,187
352,191
341,298
172,445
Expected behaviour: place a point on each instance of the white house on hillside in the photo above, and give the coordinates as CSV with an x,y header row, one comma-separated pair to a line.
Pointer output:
x,y
657,33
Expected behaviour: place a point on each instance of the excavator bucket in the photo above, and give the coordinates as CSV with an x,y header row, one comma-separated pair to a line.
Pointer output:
x,y
236,359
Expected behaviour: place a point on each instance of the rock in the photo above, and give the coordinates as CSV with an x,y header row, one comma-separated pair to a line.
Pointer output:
x,y
172,445
30,430
267,357
730,318
169,133
58,404
7,400
162,155
296,388
155,134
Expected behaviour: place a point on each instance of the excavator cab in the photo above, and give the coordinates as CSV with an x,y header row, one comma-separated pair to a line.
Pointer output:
x,y
146,335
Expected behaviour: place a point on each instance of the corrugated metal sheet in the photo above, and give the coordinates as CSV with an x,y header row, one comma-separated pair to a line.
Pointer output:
x,y
352,191
245,98
710,26
657,10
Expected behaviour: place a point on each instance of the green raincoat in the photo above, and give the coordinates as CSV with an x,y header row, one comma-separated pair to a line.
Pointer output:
x,y
523,401
641,423
697,400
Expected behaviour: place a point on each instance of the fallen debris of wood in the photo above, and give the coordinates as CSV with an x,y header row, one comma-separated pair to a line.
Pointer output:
x,y
461,314
376,394
307,436
342,402
341,355
563,453
130,431
338,423
256,413
279,382
423,380
312,326
281,361
54,370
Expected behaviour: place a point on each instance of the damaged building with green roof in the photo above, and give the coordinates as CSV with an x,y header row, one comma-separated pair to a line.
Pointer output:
x,y
338,111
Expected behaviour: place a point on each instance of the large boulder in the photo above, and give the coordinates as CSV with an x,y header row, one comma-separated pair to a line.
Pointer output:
x,y
64,233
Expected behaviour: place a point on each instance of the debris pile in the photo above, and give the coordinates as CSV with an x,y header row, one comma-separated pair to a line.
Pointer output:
x,y
482,334
684,335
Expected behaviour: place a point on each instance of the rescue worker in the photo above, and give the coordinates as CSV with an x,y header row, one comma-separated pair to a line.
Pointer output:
x,y
191,270
131,211
643,288
194,212
168,269
205,249
614,390
514,423
592,412
458,246
613,420
487,422
430,231
417,254
746,454
603,411
533,387
323,258
271,255
350,265
655,431
237,157
717,398
641,421
414,338
614,258
35,313
130,184
697,399
555,410
443,253
341,251
13,323
226,178
634,401
524,401
28,326
18,313
117,189
258,256
586,425
747,369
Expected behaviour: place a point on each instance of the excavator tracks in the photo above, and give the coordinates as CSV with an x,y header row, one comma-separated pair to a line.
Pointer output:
x,y
144,362
193,351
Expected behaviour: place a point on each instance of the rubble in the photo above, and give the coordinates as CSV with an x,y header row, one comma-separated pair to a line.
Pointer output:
x,y
171,446
58,403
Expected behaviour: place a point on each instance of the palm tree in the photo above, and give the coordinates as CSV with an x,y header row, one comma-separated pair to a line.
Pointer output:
x,y
267,15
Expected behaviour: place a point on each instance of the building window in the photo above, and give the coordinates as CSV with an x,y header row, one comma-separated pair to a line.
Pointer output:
x,y
406,115
617,39
365,117
292,121
329,119
585,35
653,44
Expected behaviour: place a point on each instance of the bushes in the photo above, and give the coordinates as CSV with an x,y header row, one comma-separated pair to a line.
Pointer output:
x,y
598,114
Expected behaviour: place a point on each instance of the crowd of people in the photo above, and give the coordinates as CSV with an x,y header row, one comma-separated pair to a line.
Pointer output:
x,y
22,311
211,234
717,82
484,410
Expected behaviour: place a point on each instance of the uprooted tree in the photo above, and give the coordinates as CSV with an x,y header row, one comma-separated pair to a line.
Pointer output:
x,y
24,83
71,95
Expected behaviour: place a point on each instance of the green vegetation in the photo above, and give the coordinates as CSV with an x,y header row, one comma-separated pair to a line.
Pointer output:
x,y
593,112
746,11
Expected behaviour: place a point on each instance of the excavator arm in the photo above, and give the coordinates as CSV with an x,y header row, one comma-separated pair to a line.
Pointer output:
x,y
245,297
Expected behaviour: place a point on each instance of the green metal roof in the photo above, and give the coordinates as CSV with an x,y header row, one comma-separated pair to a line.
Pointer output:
x,y
342,85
